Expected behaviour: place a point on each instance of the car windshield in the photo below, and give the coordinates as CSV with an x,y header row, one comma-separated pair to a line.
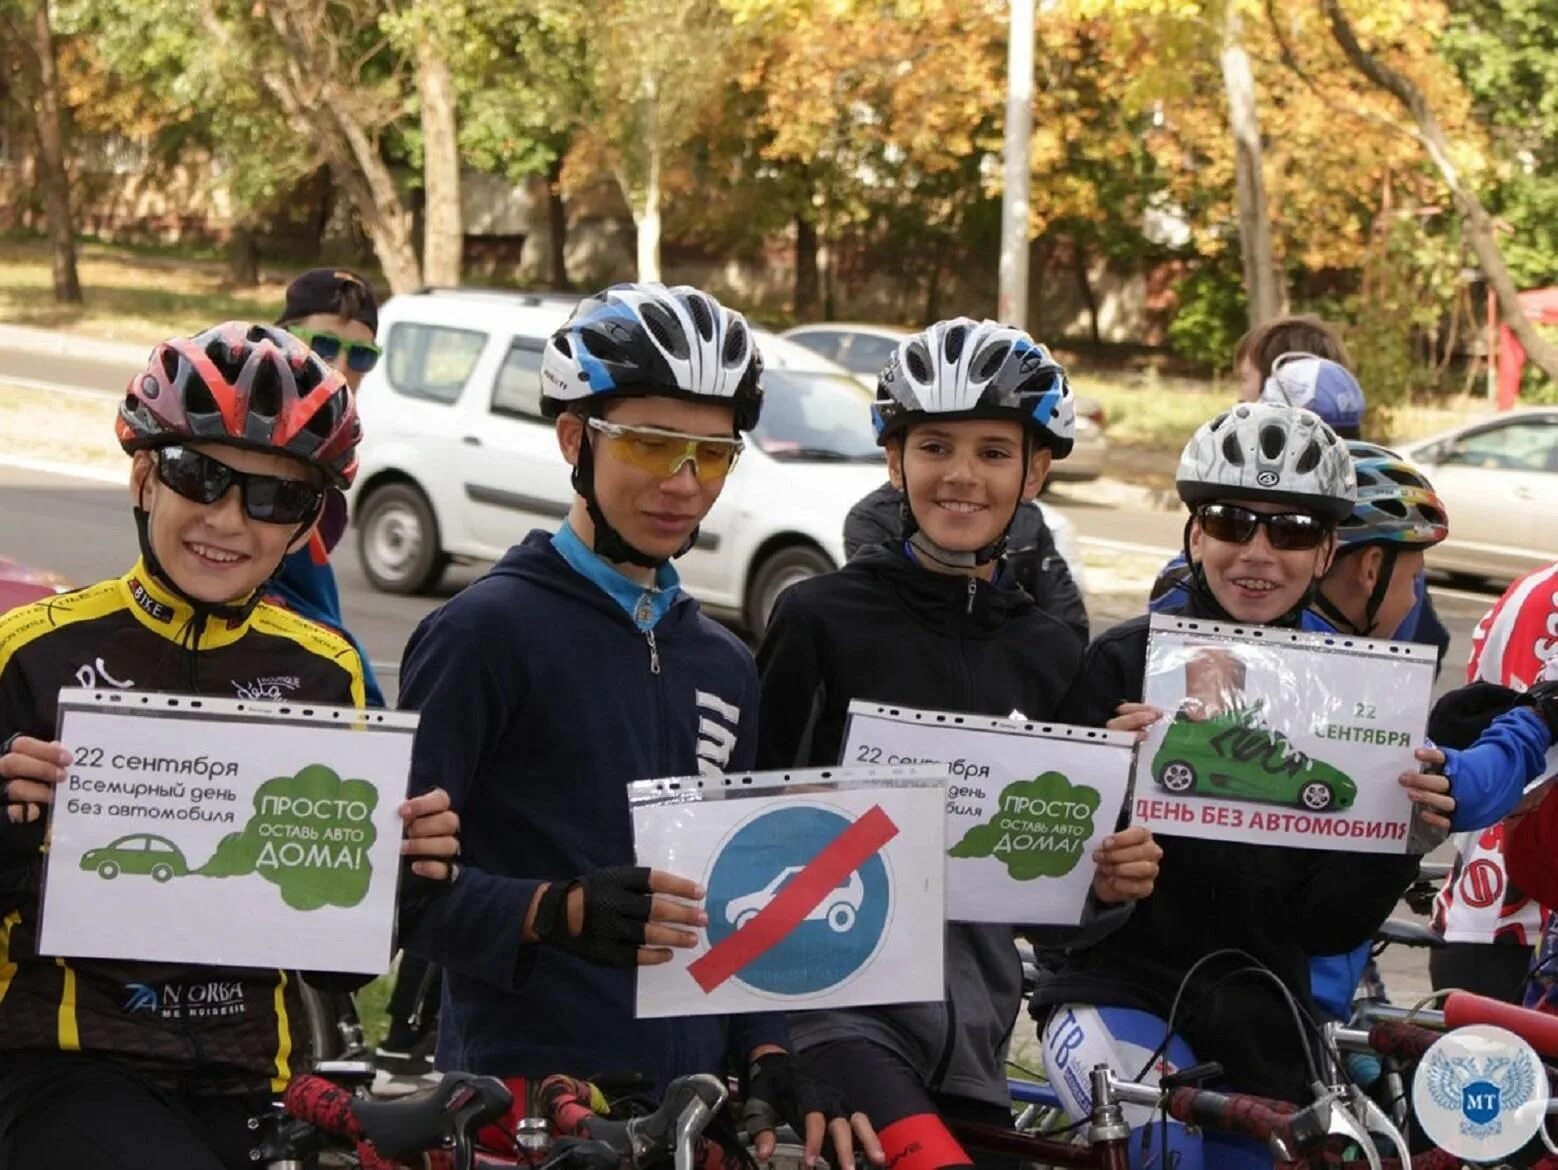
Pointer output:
x,y
812,416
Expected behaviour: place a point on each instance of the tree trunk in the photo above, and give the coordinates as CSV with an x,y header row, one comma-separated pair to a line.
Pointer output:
x,y
371,188
1085,287
808,287
1474,216
52,176
649,217
1263,285
243,257
557,225
443,234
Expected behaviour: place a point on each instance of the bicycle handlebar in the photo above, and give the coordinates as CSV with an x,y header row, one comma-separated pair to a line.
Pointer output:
x,y
685,1111
1393,1038
1284,1127
1537,1029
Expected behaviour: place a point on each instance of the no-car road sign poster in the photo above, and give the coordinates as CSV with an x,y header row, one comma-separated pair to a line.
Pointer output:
x,y
825,888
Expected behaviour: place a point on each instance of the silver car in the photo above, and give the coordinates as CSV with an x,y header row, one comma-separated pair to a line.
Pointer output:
x,y
1498,478
864,349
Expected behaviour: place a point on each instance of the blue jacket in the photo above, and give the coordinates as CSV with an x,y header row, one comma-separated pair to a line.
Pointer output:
x,y
539,705
306,586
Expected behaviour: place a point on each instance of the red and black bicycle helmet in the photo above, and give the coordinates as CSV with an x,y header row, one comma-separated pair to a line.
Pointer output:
x,y
253,386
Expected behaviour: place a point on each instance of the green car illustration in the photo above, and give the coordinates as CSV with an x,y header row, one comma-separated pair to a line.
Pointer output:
x,y
139,853
1232,755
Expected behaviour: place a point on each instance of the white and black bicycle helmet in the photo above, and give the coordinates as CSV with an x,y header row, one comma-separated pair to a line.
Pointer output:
x,y
967,369
1263,451
647,340
964,368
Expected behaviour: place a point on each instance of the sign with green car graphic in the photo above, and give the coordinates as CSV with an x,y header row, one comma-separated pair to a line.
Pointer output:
x,y
1027,803
226,832
1280,737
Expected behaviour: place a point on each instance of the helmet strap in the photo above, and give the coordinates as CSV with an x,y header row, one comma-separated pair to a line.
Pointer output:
x,y
608,543
1389,553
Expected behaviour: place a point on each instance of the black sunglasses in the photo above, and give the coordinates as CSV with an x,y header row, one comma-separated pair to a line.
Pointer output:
x,y
270,499
1288,531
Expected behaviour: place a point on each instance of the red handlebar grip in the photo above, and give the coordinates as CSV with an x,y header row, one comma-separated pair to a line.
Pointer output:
x,y
323,1104
1233,1113
1403,1041
1537,1029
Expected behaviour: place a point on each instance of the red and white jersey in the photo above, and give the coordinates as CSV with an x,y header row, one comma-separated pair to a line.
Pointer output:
x,y
1515,645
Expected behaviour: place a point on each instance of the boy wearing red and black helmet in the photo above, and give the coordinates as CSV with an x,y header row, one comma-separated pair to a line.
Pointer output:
x,y
235,436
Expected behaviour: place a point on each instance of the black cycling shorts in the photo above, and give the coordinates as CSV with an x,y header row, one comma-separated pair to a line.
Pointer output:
x,y
906,1115
68,1111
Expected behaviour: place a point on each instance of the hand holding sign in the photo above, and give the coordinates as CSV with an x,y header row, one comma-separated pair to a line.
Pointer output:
x,y
619,916
31,769
1127,865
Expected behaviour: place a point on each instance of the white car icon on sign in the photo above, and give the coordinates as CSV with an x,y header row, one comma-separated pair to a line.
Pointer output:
x,y
838,909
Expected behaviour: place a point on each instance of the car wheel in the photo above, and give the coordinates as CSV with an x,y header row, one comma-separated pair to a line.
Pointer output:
x,y
745,917
777,573
397,539
108,869
1177,777
1316,797
162,872
841,916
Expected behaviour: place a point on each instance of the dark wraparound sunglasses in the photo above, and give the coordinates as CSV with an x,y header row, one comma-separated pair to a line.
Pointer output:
x,y
270,499
1288,531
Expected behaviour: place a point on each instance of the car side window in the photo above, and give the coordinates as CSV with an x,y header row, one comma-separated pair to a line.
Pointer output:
x,y
431,361
1515,446
516,392
868,353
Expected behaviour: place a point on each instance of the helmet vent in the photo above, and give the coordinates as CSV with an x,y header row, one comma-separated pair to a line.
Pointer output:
x,y
1232,451
1310,459
737,345
916,360
265,393
953,346
991,361
702,316
1272,441
666,332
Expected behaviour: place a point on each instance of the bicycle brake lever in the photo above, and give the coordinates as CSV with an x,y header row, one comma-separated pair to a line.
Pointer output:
x,y
1339,1121
1376,1120
709,1094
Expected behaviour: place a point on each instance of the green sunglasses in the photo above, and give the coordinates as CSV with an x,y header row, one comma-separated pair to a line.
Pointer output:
x,y
361,356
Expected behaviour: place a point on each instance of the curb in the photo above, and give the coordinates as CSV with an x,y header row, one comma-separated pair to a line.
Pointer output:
x,y
46,341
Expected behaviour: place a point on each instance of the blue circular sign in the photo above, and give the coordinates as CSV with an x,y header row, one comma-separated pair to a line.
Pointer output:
x,y
835,939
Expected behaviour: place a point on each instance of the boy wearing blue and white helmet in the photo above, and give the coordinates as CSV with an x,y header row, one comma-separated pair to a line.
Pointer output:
x,y
577,666
971,414
1318,384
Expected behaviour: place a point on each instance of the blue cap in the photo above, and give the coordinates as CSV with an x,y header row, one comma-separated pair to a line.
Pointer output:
x,y
1316,384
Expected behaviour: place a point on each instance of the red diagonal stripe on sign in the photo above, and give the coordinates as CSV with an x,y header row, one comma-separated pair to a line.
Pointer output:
x,y
804,893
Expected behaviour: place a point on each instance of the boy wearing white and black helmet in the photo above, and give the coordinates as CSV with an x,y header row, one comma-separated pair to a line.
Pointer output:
x,y
971,415
577,666
1267,486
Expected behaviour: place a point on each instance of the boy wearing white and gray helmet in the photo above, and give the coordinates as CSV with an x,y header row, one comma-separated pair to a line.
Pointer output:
x,y
1267,486
971,414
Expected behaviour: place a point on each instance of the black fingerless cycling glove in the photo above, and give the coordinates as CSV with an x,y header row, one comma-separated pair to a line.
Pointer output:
x,y
616,911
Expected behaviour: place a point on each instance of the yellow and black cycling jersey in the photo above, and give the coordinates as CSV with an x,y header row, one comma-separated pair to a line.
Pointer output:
x,y
214,1030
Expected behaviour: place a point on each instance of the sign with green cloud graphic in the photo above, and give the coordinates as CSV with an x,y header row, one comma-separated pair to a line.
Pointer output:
x,y
1040,827
1013,814
310,834
226,832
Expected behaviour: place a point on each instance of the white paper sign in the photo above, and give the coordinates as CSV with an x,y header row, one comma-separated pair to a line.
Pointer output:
x,y
824,888
1281,737
1027,804
226,832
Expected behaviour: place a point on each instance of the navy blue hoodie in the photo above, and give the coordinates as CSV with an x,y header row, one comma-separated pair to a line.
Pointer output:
x,y
539,704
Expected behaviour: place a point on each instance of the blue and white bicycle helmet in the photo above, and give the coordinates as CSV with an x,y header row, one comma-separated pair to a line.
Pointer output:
x,y
1318,384
646,339
964,368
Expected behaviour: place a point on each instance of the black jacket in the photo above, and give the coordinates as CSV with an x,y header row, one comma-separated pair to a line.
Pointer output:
x,y
1031,554
1279,905
884,629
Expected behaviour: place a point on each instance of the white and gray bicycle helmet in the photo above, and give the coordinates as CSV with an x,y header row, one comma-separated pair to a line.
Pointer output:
x,y
962,368
1264,451
647,339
